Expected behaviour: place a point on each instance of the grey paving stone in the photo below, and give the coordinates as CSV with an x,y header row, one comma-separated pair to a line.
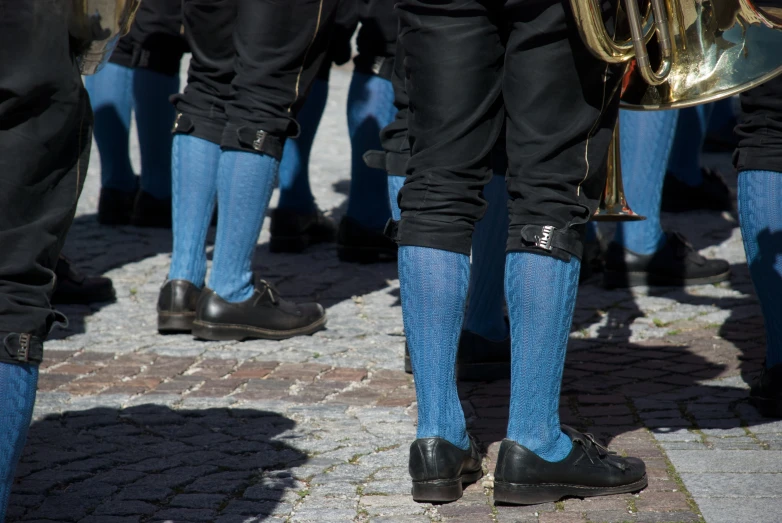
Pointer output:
x,y
741,486
728,510
726,461
175,515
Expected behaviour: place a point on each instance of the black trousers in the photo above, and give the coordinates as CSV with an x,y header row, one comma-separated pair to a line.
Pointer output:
x,y
45,137
253,63
155,40
760,128
474,66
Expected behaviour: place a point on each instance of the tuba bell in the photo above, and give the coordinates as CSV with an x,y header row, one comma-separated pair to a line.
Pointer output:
x,y
681,53
95,26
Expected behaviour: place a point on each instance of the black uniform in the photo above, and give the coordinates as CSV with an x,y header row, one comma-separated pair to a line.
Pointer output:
x,y
252,65
473,67
45,138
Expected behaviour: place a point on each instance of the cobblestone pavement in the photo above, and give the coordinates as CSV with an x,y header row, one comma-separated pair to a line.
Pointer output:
x,y
133,427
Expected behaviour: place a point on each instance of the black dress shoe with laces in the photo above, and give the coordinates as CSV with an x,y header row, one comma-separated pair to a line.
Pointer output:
x,y
176,306
73,287
523,478
766,393
677,263
294,232
264,315
440,469
713,194
357,244
478,358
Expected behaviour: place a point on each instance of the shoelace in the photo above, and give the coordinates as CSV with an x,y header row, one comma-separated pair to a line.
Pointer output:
x,y
602,452
265,287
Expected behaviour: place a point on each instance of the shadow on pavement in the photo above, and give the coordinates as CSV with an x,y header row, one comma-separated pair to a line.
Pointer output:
x,y
102,464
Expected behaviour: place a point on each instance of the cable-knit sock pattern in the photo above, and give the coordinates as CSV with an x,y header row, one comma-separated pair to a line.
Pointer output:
x,y
295,191
370,109
434,289
485,308
17,399
245,182
646,139
760,216
541,295
194,185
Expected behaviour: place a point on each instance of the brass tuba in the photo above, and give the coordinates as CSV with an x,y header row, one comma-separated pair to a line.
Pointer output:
x,y
703,51
96,26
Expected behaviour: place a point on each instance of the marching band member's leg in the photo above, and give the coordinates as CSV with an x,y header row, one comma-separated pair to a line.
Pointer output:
x,y
760,216
642,253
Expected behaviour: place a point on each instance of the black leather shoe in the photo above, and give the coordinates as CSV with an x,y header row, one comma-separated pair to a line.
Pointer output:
x,y
294,232
115,207
478,359
677,263
75,288
264,315
713,194
149,211
440,469
523,478
176,306
357,244
766,392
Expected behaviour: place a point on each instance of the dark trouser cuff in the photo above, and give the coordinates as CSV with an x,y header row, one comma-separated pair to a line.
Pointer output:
x,y
164,56
547,240
204,128
435,235
382,66
21,349
252,140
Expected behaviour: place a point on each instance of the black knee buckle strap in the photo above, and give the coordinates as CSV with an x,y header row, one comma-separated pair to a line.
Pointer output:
x,y
21,348
182,124
375,159
548,238
260,141
391,229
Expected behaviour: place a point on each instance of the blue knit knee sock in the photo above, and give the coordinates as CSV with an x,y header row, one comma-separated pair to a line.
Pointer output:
x,y
541,294
434,289
370,109
485,311
295,192
685,158
194,179
646,139
244,186
111,96
17,399
395,184
154,118
760,215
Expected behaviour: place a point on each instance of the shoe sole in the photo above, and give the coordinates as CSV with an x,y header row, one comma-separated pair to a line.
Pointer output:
x,y
365,255
769,408
443,490
175,323
222,331
520,494
617,280
474,371
295,244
